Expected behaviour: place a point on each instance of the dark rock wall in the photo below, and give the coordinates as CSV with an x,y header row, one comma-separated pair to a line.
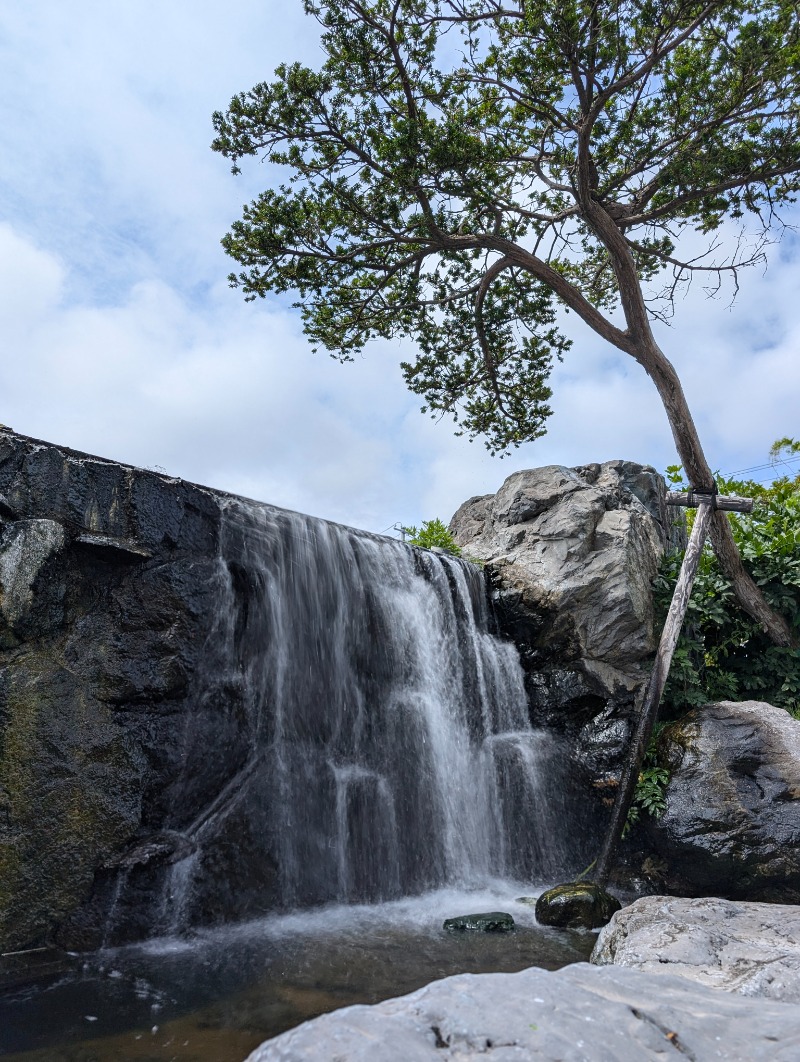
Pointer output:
x,y
108,579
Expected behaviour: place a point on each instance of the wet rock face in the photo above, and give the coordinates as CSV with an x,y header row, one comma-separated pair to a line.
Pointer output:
x,y
210,708
732,822
576,905
109,586
749,948
571,553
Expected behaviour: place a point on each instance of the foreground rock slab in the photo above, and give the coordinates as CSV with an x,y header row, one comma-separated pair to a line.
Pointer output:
x,y
749,948
580,1013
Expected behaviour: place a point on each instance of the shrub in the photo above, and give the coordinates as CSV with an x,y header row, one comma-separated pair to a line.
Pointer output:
x,y
722,654
434,534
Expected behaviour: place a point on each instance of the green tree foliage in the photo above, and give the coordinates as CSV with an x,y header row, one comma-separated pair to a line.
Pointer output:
x,y
434,534
783,448
434,187
723,654
457,170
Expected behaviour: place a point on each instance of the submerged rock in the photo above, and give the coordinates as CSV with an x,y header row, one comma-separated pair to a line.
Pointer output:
x,y
492,922
21,968
749,948
731,826
576,905
581,1012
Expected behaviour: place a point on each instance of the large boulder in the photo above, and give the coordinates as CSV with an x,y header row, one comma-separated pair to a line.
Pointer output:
x,y
571,554
731,826
749,948
581,1012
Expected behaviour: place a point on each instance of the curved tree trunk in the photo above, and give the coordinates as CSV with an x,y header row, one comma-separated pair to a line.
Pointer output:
x,y
701,477
640,343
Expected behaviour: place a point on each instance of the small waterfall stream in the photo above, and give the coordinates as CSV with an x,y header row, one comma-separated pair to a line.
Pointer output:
x,y
386,744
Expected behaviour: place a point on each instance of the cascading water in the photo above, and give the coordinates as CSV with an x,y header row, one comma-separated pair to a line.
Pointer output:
x,y
387,746
352,734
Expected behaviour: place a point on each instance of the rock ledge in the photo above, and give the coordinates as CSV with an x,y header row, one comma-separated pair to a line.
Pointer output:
x,y
749,948
580,1013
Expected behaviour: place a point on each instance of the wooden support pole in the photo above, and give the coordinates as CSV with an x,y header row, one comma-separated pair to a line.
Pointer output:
x,y
729,503
658,678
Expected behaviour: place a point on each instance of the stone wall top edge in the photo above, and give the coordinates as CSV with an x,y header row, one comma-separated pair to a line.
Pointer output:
x,y
223,497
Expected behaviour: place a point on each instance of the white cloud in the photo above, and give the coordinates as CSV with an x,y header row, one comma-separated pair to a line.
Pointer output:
x,y
231,396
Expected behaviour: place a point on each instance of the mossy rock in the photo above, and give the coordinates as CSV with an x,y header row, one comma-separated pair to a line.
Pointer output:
x,y
576,905
491,922
69,794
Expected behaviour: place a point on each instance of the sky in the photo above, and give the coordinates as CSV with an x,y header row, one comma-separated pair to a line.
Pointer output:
x,y
120,336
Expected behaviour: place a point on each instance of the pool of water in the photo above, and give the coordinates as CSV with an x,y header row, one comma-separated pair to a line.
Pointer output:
x,y
216,996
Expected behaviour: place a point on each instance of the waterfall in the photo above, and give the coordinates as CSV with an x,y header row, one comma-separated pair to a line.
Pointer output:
x,y
388,748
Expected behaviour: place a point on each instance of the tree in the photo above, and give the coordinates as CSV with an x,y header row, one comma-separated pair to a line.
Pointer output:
x,y
460,170
433,534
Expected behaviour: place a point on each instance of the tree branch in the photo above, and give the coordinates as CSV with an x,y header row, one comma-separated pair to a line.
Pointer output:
x,y
489,276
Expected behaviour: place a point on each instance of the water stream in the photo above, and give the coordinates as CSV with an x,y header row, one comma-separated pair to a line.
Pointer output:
x,y
216,996
386,744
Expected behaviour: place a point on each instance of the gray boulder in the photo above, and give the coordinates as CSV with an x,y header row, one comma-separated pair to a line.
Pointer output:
x,y
749,948
571,553
732,822
580,1013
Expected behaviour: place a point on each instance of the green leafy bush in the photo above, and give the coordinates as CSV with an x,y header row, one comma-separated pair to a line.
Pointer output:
x,y
650,792
722,653
434,534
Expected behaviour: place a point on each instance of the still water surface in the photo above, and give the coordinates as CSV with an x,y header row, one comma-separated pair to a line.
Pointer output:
x,y
216,996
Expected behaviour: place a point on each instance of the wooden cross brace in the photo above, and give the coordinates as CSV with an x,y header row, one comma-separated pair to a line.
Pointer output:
x,y
705,501
693,498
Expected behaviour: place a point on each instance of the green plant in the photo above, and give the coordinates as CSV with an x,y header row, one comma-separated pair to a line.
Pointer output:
x,y
434,535
722,653
782,448
650,792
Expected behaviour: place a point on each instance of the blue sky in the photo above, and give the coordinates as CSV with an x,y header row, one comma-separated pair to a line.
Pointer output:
x,y
121,337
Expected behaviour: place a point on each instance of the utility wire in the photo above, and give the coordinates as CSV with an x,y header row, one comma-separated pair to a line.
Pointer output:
x,y
767,464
